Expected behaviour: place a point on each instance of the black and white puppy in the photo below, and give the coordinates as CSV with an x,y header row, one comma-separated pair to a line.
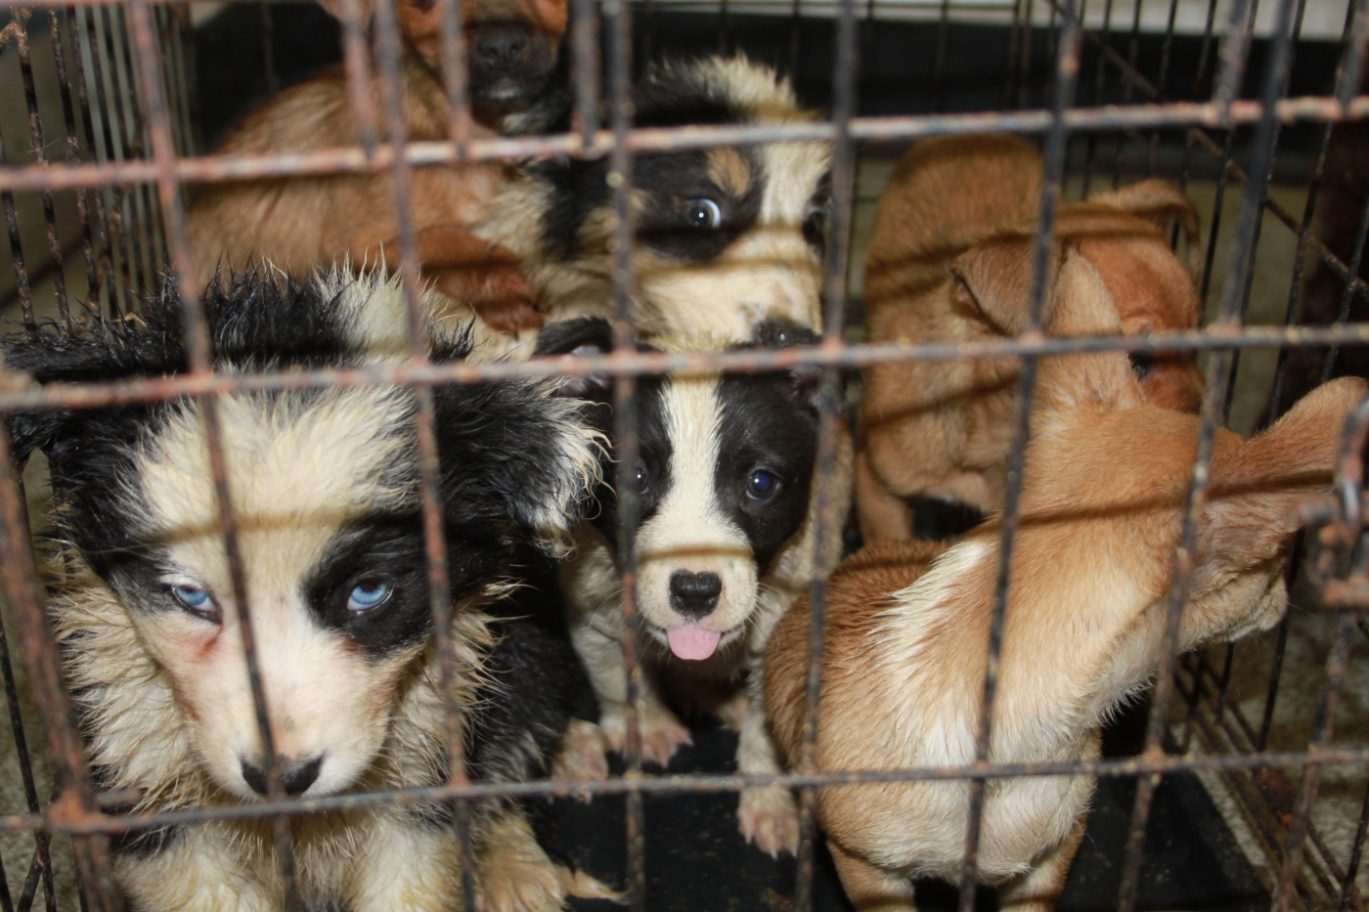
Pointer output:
x,y
724,545
725,237
324,488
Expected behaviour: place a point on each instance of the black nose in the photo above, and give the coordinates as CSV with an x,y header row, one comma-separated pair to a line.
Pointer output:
x,y
694,594
500,46
296,779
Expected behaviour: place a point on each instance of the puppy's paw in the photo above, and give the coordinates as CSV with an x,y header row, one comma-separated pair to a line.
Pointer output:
x,y
733,710
769,817
583,755
662,733
521,878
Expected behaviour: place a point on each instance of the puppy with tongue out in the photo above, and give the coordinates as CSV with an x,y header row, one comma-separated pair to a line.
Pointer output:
x,y
723,545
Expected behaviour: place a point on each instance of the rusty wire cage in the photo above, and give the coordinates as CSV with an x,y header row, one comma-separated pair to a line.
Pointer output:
x,y
1243,103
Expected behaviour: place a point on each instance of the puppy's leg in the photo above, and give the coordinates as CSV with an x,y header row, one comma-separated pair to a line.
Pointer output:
x,y
199,871
768,816
662,732
1040,890
515,874
406,863
582,755
882,513
871,889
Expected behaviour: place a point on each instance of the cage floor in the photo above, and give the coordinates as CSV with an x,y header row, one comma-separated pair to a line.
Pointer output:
x,y
696,860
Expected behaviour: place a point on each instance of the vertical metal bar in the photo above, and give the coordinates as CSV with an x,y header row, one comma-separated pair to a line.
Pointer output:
x,y
1348,888
1348,295
268,49
23,592
1235,51
358,70
626,426
1218,376
73,154
85,43
21,275
836,267
389,60
454,74
39,155
584,48
1066,76
1133,53
147,74
1162,81
1099,88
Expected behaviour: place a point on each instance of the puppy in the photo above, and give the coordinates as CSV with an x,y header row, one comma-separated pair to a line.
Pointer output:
x,y
324,487
725,237
725,543
301,223
943,429
906,638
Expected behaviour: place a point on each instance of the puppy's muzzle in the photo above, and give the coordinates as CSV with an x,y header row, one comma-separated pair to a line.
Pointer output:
x,y
296,777
694,595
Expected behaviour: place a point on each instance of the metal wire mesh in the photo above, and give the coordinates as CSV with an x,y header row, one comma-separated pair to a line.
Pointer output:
x,y
92,185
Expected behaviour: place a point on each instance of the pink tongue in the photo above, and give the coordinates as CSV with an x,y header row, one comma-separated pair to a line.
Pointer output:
x,y
692,642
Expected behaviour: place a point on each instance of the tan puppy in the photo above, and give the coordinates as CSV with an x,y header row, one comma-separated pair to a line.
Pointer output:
x,y
305,222
943,429
907,632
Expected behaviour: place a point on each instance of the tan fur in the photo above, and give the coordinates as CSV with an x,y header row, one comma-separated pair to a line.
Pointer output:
x,y
302,223
954,226
905,646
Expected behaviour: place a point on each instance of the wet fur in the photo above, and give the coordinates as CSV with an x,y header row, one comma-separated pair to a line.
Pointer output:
x,y
161,694
907,623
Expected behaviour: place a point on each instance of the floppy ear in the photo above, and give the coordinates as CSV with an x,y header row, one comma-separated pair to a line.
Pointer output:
x,y
582,337
1257,484
516,453
1164,205
805,379
994,278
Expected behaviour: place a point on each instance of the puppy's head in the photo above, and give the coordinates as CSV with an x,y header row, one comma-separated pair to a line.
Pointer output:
x,y
725,237
722,480
512,48
324,489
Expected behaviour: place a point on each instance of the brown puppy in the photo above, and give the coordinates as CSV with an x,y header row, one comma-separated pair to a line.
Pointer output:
x,y
305,222
943,429
907,632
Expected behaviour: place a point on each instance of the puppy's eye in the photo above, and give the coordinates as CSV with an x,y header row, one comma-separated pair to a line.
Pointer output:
x,y
704,214
762,484
196,601
641,481
1141,364
815,225
368,595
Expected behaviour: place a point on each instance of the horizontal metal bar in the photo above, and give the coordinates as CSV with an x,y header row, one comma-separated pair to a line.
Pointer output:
x,y
18,396
67,821
1318,108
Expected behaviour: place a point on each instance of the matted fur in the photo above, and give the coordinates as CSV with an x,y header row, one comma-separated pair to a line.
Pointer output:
x,y
757,263
907,623
956,224
324,490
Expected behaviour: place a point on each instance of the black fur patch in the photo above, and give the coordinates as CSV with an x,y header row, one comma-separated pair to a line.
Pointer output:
x,y
666,96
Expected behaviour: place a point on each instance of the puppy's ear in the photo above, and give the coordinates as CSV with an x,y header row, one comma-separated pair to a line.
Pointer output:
x,y
1257,484
580,338
516,452
1163,204
805,379
994,278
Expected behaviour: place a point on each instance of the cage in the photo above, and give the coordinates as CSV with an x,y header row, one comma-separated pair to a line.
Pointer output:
x,y
1240,782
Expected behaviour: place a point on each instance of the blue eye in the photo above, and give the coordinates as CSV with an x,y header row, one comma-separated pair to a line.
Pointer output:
x,y
369,594
762,484
195,600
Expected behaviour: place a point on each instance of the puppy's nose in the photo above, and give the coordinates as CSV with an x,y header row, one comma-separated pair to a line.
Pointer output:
x,y
500,46
296,777
694,594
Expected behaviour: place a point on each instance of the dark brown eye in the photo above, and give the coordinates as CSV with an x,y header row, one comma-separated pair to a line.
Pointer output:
x,y
704,214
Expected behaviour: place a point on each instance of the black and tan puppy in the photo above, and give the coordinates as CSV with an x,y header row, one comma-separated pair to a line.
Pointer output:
x,y
725,237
